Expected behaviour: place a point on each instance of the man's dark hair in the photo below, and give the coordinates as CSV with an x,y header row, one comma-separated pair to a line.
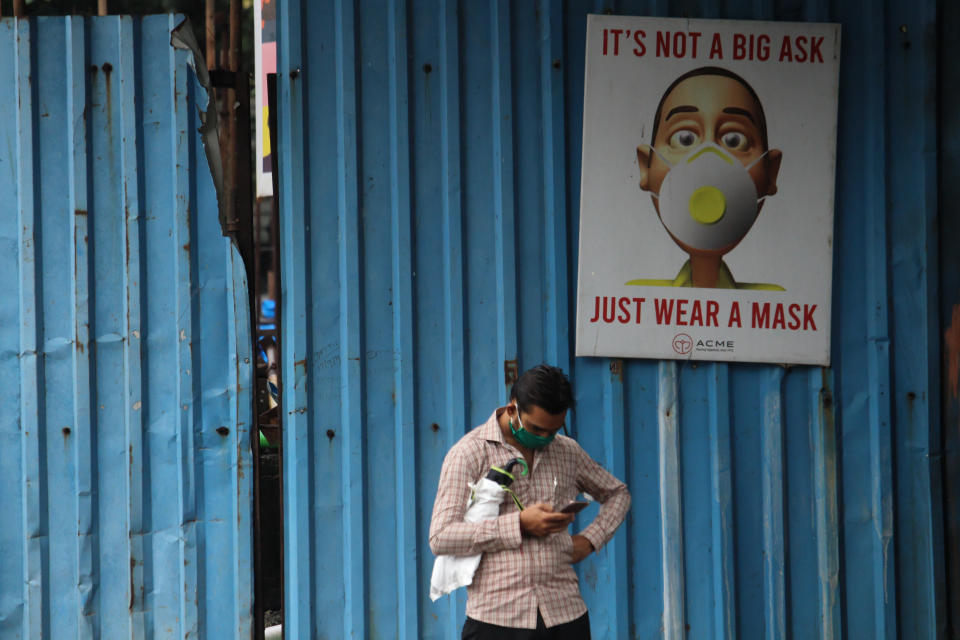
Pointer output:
x,y
545,387
712,71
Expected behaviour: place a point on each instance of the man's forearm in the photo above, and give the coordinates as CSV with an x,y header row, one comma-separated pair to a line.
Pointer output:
x,y
611,514
469,538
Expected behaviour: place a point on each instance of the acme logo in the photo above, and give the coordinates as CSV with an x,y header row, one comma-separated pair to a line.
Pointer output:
x,y
682,343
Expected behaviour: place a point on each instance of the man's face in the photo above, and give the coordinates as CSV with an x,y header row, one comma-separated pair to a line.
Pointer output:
x,y
709,108
538,421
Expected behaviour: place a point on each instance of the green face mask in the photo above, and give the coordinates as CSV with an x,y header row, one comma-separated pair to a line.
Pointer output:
x,y
527,439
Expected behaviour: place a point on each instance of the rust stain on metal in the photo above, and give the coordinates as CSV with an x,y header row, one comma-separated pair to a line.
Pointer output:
x,y
510,371
952,340
616,368
66,431
223,431
79,212
133,563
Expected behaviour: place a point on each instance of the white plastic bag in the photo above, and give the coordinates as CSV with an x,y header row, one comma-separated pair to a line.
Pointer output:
x,y
453,572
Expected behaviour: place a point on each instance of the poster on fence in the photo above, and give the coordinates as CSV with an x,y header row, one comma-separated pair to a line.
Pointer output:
x,y
265,63
707,190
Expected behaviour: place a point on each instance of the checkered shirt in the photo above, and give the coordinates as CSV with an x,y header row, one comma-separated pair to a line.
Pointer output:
x,y
519,574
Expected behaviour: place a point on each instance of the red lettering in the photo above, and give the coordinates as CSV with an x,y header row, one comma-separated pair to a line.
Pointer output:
x,y
609,310
794,323
763,46
808,316
778,318
641,48
639,301
681,311
716,47
596,309
624,316
605,38
785,52
761,316
663,44
713,307
696,314
676,45
616,40
815,44
679,44
663,309
734,315
739,46
801,42
751,47
694,36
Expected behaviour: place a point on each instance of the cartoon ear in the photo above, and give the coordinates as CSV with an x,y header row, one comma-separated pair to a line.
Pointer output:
x,y
773,169
643,160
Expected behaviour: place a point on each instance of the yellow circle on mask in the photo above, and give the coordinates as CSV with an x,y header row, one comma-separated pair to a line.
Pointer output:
x,y
707,205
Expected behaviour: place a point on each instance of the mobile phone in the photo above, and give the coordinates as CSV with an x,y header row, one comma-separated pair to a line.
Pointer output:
x,y
573,507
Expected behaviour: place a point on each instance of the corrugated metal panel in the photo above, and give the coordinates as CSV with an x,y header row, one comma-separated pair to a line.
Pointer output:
x,y
429,174
125,344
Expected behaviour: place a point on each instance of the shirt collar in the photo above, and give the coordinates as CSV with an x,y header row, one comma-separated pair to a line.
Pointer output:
x,y
491,428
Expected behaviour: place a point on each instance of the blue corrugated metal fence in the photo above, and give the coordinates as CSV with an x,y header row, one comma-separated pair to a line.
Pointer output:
x,y
124,339
429,175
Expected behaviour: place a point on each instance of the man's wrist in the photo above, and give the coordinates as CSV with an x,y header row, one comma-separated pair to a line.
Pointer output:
x,y
591,537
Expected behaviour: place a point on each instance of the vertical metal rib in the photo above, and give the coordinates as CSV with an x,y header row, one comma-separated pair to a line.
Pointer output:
x,y
13,576
671,523
453,265
615,447
33,581
877,308
295,315
56,463
408,586
188,392
553,153
117,540
505,246
82,436
771,473
241,379
825,497
351,349
125,121
724,587
826,489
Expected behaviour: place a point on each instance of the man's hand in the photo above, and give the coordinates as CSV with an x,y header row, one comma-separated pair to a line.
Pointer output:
x,y
541,520
581,548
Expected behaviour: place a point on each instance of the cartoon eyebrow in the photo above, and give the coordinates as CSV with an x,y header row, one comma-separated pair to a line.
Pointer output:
x,y
737,111
680,109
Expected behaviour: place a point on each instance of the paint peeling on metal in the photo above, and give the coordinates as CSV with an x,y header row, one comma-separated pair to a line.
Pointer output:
x,y
510,372
182,37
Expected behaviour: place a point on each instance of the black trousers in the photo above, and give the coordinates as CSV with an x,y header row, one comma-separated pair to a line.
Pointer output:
x,y
578,629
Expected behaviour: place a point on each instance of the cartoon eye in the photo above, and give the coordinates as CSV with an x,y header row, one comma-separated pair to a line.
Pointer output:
x,y
734,140
683,139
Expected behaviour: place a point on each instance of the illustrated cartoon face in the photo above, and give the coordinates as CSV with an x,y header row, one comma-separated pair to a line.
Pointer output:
x,y
709,166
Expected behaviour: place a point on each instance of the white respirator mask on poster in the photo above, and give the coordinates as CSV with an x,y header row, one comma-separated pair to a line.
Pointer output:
x,y
708,200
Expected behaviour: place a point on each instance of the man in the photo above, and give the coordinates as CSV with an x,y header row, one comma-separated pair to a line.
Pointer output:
x,y
708,169
525,586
